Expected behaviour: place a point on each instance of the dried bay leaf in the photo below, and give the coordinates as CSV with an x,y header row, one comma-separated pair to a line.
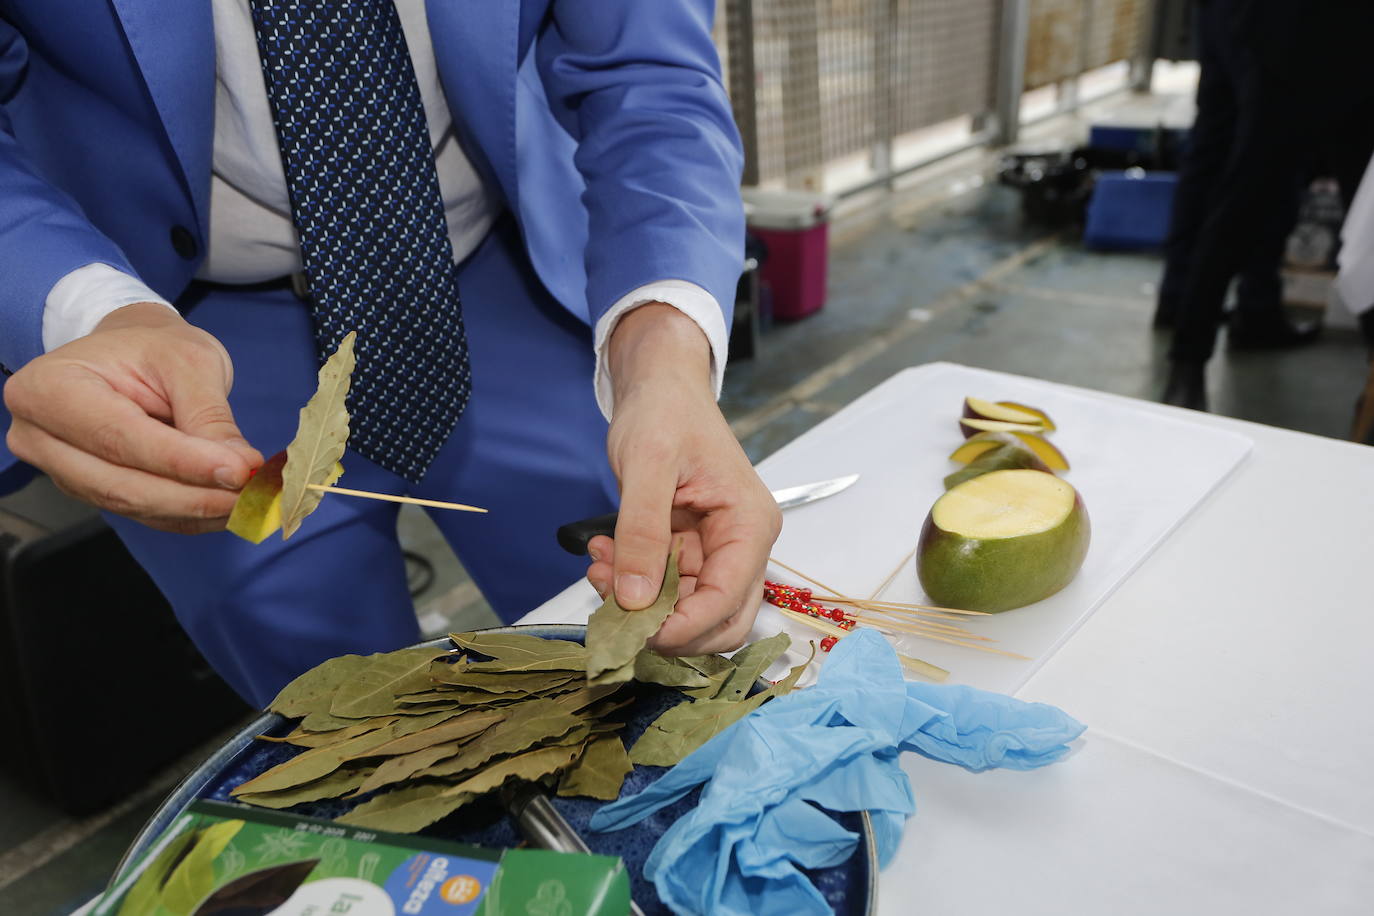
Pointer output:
x,y
322,720
539,722
530,766
372,691
622,675
687,726
314,763
405,810
652,668
751,662
303,738
456,728
714,684
399,769
599,772
490,682
321,436
615,635
336,785
519,652
582,697
314,690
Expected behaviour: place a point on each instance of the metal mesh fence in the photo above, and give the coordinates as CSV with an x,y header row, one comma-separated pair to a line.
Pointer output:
x,y
818,81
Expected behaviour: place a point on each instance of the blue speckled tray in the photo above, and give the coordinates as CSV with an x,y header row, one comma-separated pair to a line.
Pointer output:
x,y
849,888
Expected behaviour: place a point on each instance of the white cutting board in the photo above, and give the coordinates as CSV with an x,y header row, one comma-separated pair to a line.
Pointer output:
x,y
1140,474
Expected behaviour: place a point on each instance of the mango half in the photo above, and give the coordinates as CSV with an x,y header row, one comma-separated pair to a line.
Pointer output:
x,y
257,511
1002,540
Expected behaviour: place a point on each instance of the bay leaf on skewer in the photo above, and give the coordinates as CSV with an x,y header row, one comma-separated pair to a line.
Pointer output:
x,y
751,662
519,652
321,437
530,766
615,635
336,785
599,772
405,810
314,763
687,726
372,689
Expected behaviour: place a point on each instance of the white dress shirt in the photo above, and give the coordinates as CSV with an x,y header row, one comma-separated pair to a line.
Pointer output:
x,y
252,238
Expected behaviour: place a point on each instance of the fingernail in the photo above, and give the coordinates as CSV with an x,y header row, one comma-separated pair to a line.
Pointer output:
x,y
595,555
601,588
226,478
634,590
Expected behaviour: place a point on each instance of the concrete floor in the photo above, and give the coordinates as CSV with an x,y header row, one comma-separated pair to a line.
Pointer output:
x,y
944,269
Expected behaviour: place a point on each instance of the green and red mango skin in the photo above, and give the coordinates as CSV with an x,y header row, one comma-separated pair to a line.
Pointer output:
x,y
1000,574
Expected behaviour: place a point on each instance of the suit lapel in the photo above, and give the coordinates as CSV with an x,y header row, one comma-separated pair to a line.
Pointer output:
x,y
174,44
475,45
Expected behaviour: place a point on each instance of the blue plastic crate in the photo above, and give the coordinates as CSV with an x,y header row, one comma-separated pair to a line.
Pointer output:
x,y
1130,210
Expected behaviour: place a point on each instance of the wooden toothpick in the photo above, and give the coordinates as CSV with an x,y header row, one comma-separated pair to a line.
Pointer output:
x,y
387,497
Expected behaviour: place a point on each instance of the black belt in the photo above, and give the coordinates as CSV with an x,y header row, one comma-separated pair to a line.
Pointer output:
x,y
296,283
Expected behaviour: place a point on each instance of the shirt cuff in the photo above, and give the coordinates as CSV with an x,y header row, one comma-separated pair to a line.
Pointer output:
x,y
78,302
688,298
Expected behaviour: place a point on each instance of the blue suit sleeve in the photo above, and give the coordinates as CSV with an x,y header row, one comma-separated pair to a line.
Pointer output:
x,y
638,85
43,233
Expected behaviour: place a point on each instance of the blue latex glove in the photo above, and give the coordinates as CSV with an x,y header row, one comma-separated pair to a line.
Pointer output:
x,y
834,745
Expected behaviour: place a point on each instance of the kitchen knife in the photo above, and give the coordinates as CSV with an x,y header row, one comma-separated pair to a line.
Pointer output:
x,y
573,537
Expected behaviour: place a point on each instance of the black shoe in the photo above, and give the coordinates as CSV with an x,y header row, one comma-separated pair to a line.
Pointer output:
x,y
1273,332
1186,387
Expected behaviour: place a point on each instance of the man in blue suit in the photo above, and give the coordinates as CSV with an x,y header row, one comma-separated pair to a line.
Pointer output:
x,y
199,197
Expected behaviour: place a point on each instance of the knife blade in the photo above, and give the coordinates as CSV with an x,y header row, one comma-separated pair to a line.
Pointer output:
x,y
573,537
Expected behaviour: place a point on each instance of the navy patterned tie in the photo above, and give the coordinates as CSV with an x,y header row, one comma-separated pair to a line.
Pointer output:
x,y
366,204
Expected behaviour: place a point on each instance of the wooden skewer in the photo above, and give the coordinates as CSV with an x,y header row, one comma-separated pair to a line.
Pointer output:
x,y
915,665
838,597
387,497
892,575
935,608
879,608
921,625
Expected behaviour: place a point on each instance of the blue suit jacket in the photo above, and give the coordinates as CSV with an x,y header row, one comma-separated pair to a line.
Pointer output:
x,y
602,124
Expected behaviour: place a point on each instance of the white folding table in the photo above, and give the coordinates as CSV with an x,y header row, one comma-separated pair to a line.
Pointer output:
x,y
1218,644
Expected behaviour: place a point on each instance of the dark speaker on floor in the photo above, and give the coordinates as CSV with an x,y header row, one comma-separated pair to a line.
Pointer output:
x,y
99,686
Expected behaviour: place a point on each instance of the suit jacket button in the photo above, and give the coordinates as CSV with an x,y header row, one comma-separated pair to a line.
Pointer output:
x,y
183,242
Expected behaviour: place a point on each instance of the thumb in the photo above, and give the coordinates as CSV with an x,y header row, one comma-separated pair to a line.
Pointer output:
x,y
643,534
200,408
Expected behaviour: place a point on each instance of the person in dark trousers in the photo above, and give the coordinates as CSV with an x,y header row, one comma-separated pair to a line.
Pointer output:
x,y
1280,83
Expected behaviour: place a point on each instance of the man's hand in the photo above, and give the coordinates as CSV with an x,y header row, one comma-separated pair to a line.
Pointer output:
x,y
134,418
682,477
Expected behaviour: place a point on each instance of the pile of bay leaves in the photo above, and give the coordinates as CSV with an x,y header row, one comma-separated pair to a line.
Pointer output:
x,y
424,731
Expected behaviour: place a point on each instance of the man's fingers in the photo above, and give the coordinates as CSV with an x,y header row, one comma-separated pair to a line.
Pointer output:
x,y
200,408
94,418
725,636
642,533
145,497
728,588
